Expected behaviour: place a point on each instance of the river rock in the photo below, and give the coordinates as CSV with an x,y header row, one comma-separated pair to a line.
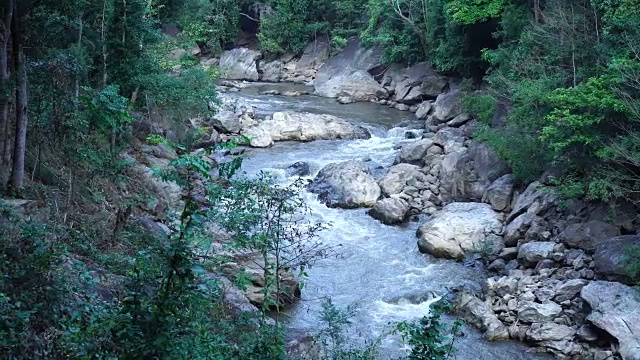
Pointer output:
x,y
240,64
423,110
587,236
611,257
414,152
460,228
397,177
299,169
346,185
349,73
615,308
569,289
467,175
530,253
252,265
532,312
416,83
534,201
314,54
448,105
500,193
358,85
292,126
482,316
271,71
390,211
550,331
226,121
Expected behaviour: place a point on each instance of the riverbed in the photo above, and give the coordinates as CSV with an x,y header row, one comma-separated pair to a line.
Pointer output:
x,y
378,268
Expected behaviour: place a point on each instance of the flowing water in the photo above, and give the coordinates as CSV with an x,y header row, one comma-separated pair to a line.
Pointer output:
x,y
379,269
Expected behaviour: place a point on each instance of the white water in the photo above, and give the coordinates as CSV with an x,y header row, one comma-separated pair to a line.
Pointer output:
x,y
379,268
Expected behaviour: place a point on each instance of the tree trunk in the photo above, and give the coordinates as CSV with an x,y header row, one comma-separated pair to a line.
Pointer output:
x,y
16,181
5,36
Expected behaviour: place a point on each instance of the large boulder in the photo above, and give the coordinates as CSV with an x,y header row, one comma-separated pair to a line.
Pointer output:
x,y
414,152
550,332
467,174
612,257
460,228
480,315
587,236
500,193
417,83
349,73
532,312
346,185
271,71
533,252
534,201
293,126
615,308
423,110
358,86
314,55
448,105
226,121
240,64
397,177
390,211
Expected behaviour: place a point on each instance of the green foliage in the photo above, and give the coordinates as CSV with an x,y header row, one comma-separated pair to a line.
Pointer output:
x,y
632,263
469,12
430,338
482,106
333,339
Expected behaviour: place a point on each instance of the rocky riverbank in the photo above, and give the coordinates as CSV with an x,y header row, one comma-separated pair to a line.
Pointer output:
x,y
557,275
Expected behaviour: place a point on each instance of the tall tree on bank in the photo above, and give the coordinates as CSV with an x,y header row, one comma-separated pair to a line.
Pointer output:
x,y
5,40
16,181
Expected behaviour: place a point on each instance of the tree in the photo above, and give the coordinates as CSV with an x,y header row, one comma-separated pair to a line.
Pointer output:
x,y
16,181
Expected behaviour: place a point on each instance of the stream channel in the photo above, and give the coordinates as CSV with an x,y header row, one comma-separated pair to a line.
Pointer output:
x,y
380,269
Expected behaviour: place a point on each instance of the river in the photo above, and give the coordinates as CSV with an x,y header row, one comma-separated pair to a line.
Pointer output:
x,y
379,269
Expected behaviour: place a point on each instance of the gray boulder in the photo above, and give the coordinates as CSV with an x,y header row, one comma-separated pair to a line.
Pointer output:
x,y
271,71
534,201
569,289
587,236
468,175
417,83
414,152
532,312
349,73
397,177
550,332
346,185
448,105
358,85
390,211
314,54
226,121
423,110
500,193
293,126
611,257
479,314
615,308
461,228
533,252
240,64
